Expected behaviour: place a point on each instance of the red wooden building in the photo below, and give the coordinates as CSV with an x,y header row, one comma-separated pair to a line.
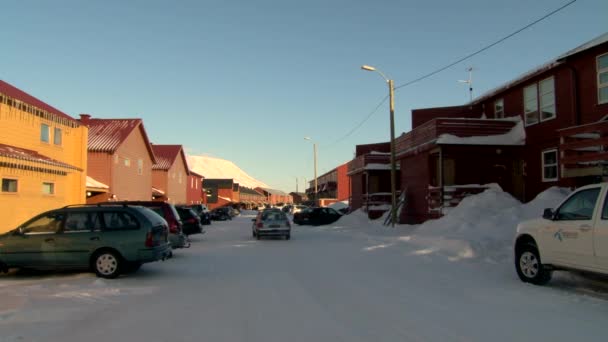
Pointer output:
x,y
194,192
332,186
220,192
170,173
370,182
545,128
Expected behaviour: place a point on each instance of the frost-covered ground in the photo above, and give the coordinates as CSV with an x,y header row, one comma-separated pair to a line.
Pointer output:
x,y
447,280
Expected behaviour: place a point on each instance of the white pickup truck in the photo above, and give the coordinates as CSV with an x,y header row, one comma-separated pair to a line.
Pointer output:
x,y
574,236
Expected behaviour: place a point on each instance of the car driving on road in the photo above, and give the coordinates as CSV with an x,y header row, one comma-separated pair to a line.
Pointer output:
x,y
271,222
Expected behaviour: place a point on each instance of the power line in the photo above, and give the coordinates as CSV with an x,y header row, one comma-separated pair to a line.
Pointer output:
x,y
485,48
360,123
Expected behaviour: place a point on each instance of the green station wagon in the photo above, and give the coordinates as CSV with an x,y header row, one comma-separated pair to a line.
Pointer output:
x,y
109,240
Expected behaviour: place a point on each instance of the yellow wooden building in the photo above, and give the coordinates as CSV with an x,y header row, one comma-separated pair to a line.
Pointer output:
x,y
43,157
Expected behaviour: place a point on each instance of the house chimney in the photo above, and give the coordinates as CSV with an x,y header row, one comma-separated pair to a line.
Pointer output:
x,y
84,118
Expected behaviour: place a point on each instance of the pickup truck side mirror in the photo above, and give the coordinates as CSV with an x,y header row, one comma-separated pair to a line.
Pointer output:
x,y
548,214
253,220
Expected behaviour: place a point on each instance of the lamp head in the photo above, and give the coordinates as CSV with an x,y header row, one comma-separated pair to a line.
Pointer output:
x,y
307,138
368,68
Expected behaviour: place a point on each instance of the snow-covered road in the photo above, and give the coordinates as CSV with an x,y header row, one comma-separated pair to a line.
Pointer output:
x,y
334,283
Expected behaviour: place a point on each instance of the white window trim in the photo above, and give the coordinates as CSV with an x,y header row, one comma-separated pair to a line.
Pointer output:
x,y
540,115
502,104
542,161
526,123
127,162
48,128
600,71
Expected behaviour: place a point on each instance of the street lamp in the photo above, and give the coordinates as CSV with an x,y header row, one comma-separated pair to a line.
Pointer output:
x,y
314,151
391,93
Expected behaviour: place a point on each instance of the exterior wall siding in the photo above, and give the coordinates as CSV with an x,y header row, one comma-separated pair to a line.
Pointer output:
x,y
127,183
194,191
160,180
415,179
22,129
176,184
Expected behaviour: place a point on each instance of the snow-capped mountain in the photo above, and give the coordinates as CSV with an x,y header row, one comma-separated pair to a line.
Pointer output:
x,y
210,167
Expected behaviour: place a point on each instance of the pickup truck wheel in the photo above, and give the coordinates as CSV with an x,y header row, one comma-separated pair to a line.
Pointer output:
x,y
529,267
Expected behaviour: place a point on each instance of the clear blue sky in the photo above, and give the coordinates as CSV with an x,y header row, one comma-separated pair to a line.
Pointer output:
x,y
247,80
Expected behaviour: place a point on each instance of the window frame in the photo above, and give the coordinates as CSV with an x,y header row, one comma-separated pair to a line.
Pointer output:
x,y
538,99
127,162
502,110
42,133
140,166
544,166
601,86
16,180
57,136
52,188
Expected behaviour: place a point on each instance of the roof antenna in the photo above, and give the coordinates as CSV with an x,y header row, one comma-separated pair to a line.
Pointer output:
x,y
470,83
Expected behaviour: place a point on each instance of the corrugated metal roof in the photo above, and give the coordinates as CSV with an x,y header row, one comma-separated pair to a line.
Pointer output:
x,y
32,156
273,191
106,135
166,155
20,95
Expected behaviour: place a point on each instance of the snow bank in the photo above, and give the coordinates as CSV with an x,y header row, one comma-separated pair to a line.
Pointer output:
x,y
483,225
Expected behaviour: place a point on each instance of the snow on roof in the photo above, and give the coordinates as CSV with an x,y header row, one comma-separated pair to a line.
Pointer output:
x,y
93,183
515,137
601,39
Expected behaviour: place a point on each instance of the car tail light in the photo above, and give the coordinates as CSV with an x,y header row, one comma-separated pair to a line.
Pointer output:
x,y
260,225
149,240
174,227
191,220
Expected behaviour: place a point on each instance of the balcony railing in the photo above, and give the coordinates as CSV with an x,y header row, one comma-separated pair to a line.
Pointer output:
x,y
358,164
584,150
425,134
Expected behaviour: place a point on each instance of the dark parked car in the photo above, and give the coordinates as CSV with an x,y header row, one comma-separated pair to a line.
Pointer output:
x,y
202,211
167,211
191,222
108,239
316,216
221,214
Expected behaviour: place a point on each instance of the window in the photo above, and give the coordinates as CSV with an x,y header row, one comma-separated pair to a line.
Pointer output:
x,y
48,188
539,95
77,222
579,206
140,166
57,136
602,79
119,221
499,109
9,185
44,224
45,134
116,159
549,165
547,99
127,162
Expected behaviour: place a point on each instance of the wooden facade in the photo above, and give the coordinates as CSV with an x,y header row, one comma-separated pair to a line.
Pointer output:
x,y
562,111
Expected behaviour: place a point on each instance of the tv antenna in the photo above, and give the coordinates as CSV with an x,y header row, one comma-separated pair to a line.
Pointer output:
x,y
470,83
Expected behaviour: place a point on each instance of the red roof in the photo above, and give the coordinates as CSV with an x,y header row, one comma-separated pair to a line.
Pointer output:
x,y
32,156
106,135
166,155
20,95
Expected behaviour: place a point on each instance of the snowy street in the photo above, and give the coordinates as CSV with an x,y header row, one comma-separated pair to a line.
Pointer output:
x,y
344,282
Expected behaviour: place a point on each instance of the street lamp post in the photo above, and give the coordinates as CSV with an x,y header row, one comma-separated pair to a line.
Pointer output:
x,y
314,150
391,93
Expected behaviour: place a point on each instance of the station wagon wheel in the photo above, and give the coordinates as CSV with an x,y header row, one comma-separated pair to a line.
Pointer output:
x,y
529,267
107,264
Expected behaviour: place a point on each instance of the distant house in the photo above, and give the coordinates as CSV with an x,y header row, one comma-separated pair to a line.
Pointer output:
x,y
299,197
274,196
194,184
370,180
220,192
545,128
120,157
332,186
43,157
170,174
250,198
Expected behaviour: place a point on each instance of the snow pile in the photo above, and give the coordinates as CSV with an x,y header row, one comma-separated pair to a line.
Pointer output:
x,y
482,225
339,205
516,136
210,167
